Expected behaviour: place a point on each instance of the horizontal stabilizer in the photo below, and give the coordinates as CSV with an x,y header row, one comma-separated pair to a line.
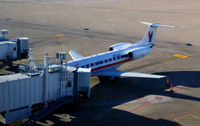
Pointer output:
x,y
75,55
117,73
156,24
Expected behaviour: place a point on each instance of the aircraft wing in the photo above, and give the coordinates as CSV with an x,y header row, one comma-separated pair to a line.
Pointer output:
x,y
117,73
75,55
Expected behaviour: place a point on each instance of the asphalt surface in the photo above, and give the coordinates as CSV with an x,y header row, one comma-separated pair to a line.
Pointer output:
x,y
90,27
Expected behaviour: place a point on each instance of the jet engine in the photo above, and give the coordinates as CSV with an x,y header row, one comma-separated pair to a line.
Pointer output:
x,y
120,46
139,53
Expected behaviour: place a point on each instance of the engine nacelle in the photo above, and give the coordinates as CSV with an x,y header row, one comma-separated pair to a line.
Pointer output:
x,y
120,46
136,54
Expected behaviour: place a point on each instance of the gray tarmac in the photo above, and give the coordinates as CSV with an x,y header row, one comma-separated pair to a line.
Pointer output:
x,y
62,25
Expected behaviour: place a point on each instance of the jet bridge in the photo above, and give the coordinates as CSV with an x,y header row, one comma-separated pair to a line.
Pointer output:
x,y
3,34
40,88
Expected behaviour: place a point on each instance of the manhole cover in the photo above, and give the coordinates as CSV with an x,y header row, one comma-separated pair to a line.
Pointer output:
x,y
188,44
86,29
7,19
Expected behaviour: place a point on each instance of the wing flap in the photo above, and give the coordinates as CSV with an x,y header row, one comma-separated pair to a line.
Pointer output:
x,y
116,73
75,55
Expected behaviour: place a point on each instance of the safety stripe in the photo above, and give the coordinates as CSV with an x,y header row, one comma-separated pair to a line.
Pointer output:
x,y
109,65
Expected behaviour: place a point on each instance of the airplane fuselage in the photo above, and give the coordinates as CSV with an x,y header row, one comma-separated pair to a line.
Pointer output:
x,y
105,64
112,59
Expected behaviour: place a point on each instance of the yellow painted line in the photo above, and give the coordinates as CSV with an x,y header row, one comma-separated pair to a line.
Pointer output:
x,y
58,35
180,56
151,64
175,56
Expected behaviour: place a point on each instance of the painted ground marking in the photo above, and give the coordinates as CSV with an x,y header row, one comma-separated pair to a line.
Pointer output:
x,y
58,35
180,56
175,56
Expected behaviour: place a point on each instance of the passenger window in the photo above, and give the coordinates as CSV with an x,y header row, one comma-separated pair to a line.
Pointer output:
x,y
123,56
69,84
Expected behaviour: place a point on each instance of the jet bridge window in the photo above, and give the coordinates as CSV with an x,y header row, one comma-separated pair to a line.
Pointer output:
x,y
69,84
110,59
106,61
87,65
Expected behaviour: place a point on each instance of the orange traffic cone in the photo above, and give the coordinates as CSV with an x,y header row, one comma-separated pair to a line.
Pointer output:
x,y
167,84
171,89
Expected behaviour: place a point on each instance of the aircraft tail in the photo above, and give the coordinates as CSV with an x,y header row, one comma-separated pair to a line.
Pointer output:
x,y
151,32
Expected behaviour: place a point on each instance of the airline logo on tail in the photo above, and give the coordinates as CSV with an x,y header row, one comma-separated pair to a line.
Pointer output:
x,y
150,36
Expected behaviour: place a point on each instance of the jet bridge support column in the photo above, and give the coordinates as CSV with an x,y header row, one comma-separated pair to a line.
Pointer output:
x,y
45,78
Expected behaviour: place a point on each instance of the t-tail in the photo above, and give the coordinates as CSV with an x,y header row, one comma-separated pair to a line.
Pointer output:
x,y
151,32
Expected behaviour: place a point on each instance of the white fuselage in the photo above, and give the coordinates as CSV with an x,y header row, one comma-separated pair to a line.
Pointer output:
x,y
112,59
105,64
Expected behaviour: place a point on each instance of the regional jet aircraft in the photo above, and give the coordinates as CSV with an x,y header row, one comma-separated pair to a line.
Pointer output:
x,y
106,64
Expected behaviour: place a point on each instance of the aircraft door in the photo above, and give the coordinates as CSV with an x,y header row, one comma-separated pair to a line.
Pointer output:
x,y
14,50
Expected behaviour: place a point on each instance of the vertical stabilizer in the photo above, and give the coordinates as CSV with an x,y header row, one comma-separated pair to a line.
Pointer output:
x,y
151,32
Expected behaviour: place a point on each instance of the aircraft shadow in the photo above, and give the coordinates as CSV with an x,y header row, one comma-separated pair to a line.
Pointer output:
x,y
98,110
114,117
184,78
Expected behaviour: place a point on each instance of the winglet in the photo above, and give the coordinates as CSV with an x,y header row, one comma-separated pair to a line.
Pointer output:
x,y
75,55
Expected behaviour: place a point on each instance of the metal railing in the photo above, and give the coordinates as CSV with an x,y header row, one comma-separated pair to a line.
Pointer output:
x,y
24,67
